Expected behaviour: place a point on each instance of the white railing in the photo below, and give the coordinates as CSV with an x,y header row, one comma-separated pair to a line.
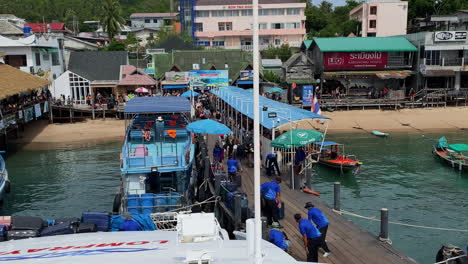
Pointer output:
x,y
445,62
250,47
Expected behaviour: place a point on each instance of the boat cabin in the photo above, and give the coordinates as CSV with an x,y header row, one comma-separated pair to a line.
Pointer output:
x,y
329,150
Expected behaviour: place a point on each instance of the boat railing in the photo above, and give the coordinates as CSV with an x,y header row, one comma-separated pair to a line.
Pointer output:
x,y
166,221
149,203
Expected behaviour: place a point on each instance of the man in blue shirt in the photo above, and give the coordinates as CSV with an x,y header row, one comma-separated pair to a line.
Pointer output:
x,y
311,237
278,237
271,163
232,167
321,221
271,195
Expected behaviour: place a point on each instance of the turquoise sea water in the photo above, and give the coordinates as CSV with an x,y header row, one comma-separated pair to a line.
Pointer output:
x,y
399,173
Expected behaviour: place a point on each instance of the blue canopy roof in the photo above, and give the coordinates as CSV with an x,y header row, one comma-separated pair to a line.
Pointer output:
x,y
327,143
159,104
242,100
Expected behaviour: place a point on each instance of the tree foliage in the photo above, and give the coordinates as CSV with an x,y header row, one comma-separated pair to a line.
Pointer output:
x,y
115,45
282,52
271,77
111,19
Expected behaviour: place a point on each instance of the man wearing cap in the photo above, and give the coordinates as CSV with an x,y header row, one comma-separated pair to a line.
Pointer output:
x,y
321,221
271,193
311,237
278,237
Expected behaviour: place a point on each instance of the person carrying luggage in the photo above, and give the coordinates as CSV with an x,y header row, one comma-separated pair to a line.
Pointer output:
x,y
271,195
321,221
310,236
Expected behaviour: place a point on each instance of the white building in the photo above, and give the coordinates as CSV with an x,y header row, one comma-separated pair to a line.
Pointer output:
x,y
155,21
38,55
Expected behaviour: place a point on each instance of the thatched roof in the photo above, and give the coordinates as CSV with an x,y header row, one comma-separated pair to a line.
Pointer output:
x,y
14,81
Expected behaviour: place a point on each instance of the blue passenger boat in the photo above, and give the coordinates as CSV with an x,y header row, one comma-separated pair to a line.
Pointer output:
x,y
157,156
4,182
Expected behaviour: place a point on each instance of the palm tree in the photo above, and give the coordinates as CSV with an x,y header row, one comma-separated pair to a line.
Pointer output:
x,y
111,20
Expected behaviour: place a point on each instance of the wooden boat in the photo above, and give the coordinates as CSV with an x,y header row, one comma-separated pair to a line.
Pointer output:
x,y
380,134
452,154
332,155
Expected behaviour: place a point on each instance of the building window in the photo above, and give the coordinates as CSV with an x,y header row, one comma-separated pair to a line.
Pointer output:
x,y
293,25
199,27
372,24
155,21
203,43
218,43
16,60
217,13
277,12
230,13
262,26
246,12
373,10
372,34
277,25
202,13
293,11
433,57
246,42
264,41
45,57
224,26
264,12
277,42
55,58
147,21
38,59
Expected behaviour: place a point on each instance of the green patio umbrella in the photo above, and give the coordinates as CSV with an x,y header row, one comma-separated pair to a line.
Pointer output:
x,y
300,137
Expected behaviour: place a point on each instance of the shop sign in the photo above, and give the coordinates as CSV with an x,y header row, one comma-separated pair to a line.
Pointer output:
x,y
177,77
246,75
307,95
450,36
209,79
240,7
355,60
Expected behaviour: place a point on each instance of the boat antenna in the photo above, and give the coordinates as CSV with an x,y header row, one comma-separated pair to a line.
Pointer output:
x,y
256,105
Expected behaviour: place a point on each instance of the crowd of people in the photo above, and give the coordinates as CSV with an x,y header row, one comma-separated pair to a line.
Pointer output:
x,y
18,102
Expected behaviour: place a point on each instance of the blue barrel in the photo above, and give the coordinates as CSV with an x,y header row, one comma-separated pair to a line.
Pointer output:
x,y
173,200
133,203
147,203
160,202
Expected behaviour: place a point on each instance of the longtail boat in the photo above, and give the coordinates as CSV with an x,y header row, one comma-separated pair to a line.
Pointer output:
x,y
454,154
332,155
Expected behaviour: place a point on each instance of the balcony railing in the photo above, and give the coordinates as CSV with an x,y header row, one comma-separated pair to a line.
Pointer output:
x,y
250,47
445,62
398,62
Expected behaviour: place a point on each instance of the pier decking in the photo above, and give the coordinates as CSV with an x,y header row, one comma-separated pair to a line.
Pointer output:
x,y
348,243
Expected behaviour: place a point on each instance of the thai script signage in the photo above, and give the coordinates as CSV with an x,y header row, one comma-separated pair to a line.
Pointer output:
x,y
450,36
177,77
240,7
209,79
246,75
307,95
355,60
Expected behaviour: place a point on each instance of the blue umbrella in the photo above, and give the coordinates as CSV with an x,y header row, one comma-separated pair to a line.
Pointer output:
x,y
188,94
275,90
208,126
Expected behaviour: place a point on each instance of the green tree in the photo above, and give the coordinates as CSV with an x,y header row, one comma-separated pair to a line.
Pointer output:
x,y
115,45
271,77
283,52
111,20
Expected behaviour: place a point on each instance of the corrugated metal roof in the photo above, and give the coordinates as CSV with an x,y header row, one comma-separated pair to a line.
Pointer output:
x,y
98,65
42,27
343,44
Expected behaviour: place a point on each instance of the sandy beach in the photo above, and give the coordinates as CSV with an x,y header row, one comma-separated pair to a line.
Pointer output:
x,y
42,134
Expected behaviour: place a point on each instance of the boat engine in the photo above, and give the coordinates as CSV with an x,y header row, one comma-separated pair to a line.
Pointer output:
x,y
448,252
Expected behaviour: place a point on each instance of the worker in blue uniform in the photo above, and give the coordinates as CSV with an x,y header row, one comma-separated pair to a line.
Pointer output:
x,y
129,224
271,195
278,237
311,237
320,220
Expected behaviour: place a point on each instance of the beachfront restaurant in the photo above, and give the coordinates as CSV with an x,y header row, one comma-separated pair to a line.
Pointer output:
x,y
132,78
175,82
375,67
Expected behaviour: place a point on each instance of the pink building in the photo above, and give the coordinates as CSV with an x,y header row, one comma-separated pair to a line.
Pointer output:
x,y
381,18
228,23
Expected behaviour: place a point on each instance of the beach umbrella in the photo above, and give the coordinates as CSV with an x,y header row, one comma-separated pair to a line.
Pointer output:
x,y
275,90
296,138
208,126
188,94
142,90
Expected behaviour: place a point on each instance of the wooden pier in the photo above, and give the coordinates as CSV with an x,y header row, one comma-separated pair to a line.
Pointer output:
x,y
348,243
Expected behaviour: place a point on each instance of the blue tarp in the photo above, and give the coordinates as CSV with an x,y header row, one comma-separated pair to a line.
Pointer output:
x,y
143,220
174,86
242,100
208,126
159,104
326,143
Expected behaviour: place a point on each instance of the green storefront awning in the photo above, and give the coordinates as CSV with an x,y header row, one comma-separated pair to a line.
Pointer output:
x,y
359,44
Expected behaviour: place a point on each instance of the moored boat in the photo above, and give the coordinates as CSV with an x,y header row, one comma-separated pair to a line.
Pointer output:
x,y
333,156
380,134
4,181
453,154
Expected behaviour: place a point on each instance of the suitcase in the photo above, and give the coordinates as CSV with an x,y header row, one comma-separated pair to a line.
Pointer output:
x,y
26,223
58,229
101,219
21,234
72,220
281,211
5,220
86,228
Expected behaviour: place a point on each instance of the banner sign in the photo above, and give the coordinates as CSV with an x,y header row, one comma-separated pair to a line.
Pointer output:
x,y
307,95
246,75
177,77
37,110
209,79
450,36
29,114
355,60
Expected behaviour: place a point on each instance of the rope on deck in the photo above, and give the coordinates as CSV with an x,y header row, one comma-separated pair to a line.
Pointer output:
x,y
373,218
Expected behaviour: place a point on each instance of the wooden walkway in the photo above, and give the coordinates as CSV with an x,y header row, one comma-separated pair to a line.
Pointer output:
x,y
348,243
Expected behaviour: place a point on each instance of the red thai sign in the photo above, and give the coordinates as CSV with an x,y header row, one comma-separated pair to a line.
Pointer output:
x,y
355,60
